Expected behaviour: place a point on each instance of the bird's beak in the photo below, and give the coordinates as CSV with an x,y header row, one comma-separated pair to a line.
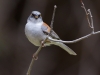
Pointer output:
x,y
36,17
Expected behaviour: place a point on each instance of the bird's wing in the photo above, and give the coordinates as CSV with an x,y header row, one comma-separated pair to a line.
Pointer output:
x,y
46,30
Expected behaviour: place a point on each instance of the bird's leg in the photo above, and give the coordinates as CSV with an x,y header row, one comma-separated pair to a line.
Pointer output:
x,y
43,44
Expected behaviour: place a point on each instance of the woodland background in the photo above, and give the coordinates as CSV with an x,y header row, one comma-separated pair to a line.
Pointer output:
x,y
70,23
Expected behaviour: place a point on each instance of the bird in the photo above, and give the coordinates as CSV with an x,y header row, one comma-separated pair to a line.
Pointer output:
x,y
36,30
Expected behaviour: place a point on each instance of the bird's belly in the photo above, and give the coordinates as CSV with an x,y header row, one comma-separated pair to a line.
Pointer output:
x,y
34,41
35,36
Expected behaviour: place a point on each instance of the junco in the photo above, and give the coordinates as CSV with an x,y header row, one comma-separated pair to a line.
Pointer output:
x,y
36,31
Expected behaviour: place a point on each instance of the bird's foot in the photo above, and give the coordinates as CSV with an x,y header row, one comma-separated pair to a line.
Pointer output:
x,y
43,45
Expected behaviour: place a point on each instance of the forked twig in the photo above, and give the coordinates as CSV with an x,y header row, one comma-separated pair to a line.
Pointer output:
x,y
83,6
90,22
42,44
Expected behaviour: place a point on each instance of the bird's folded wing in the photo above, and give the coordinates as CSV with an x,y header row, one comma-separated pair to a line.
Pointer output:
x,y
46,30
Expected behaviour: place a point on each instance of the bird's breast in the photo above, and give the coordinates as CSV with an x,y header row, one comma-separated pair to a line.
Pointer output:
x,y
34,33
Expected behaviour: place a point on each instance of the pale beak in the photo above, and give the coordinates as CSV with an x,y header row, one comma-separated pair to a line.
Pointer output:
x,y
36,17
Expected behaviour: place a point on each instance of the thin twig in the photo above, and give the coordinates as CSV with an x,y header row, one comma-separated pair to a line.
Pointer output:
x,y
83,6
88,13
96,32
51,25
73,41
33,59
42,44
91,18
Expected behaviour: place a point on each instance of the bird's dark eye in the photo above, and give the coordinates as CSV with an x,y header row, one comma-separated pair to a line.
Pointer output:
x,y
32,15
39,15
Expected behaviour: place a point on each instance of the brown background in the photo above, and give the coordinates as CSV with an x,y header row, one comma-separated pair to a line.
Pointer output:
x,y
70,23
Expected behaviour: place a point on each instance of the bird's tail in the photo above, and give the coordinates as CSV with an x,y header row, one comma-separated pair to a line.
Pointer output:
x,y
66,48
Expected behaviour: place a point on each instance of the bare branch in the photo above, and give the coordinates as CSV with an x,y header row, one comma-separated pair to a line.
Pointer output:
x,y
88,13
33,59
51,25
97,32
73,41
91,18
83,6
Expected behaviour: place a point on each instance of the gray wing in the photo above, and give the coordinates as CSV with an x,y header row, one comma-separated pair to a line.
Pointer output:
x,y
52,34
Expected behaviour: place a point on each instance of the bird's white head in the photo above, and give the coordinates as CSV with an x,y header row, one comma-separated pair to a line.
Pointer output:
x,y
35,17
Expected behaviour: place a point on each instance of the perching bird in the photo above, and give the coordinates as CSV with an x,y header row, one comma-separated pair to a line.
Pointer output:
x,y
36,31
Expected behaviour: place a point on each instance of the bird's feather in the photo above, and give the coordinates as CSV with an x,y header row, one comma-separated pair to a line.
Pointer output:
x,y
46,30
66,48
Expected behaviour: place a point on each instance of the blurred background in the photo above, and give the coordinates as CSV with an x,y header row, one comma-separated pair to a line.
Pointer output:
x,y
70,23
